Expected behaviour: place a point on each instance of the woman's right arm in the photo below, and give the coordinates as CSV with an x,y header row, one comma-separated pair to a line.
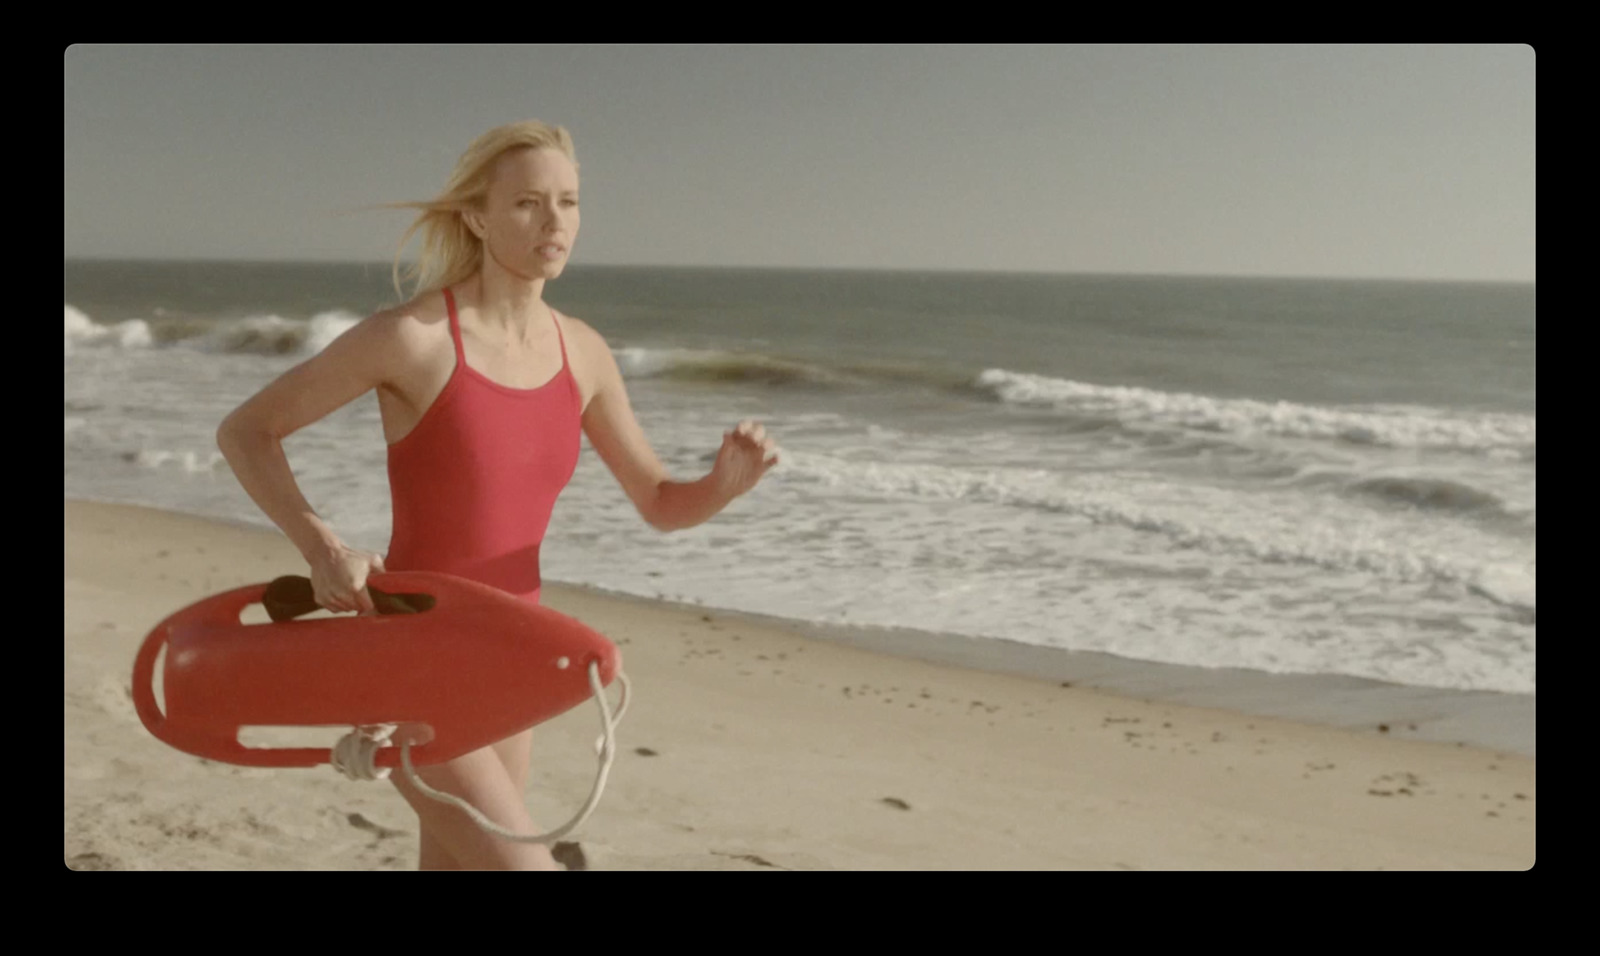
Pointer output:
x,y
251,439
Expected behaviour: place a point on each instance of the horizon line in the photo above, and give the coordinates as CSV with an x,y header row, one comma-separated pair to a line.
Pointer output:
x,y
923,270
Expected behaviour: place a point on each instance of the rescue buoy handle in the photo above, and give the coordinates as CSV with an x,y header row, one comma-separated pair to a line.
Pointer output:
x,y
226,610
144,670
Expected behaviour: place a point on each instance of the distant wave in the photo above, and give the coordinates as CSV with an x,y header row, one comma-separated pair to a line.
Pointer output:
x,y
1492,434
256,335
716,367
83,331
273,335
713,366
1505,436
1437,494
1423,492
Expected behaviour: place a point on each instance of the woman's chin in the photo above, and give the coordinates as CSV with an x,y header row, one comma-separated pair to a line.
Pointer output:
x,y
547,268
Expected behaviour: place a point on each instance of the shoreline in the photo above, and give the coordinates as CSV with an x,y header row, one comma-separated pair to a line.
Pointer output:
x,y
1487,719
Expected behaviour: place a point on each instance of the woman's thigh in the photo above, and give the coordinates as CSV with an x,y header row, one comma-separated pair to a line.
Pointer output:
x,y
515,753
482,779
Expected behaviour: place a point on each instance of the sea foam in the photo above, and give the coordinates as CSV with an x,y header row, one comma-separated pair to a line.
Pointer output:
x,y
1214,521
1496,434
82,330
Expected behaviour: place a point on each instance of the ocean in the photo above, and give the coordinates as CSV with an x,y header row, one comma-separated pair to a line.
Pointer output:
x,y
1292,477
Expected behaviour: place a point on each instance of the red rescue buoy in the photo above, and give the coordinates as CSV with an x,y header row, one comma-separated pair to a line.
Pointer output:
x,y
478,666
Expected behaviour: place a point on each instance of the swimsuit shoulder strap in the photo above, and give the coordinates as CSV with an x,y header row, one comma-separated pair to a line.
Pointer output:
x,y
455,326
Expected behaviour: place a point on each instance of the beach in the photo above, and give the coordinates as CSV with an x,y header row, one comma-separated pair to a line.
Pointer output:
x,y
754,743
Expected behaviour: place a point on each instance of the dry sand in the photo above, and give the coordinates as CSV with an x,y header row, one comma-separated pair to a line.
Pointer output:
x,y
754,745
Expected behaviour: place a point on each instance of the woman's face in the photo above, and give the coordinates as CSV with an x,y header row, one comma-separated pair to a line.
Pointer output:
x,y
530,216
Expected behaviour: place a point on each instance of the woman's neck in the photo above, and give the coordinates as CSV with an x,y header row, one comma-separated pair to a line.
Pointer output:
x,y
508,304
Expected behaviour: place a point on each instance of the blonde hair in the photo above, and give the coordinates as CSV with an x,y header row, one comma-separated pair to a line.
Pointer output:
x,y
450,250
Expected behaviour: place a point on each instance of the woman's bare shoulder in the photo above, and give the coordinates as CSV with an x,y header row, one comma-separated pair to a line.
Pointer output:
x,y
583,337
575,325
425,312
411,327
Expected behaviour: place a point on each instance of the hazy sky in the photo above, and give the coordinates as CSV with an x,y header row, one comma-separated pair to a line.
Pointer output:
x,y
1358,161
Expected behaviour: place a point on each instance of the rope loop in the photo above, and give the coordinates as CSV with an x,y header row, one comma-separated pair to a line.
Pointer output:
x,y
354,753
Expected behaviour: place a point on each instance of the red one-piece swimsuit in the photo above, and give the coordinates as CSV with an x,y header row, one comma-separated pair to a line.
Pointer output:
x,y
473,484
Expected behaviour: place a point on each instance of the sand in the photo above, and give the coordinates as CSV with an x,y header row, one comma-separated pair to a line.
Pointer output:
x,y
753,744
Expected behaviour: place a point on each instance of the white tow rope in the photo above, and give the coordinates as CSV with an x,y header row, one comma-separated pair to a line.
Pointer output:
x,y
353,756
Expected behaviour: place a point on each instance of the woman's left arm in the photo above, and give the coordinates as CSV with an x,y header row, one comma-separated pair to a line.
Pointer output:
x,y
746,455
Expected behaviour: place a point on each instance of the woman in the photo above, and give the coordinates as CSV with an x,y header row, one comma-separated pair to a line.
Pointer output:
x,y
482,390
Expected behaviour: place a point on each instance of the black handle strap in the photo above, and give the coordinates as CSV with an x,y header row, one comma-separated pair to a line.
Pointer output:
x,y
292,596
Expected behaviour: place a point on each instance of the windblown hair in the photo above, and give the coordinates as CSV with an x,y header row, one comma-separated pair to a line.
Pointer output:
x,y
450,250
